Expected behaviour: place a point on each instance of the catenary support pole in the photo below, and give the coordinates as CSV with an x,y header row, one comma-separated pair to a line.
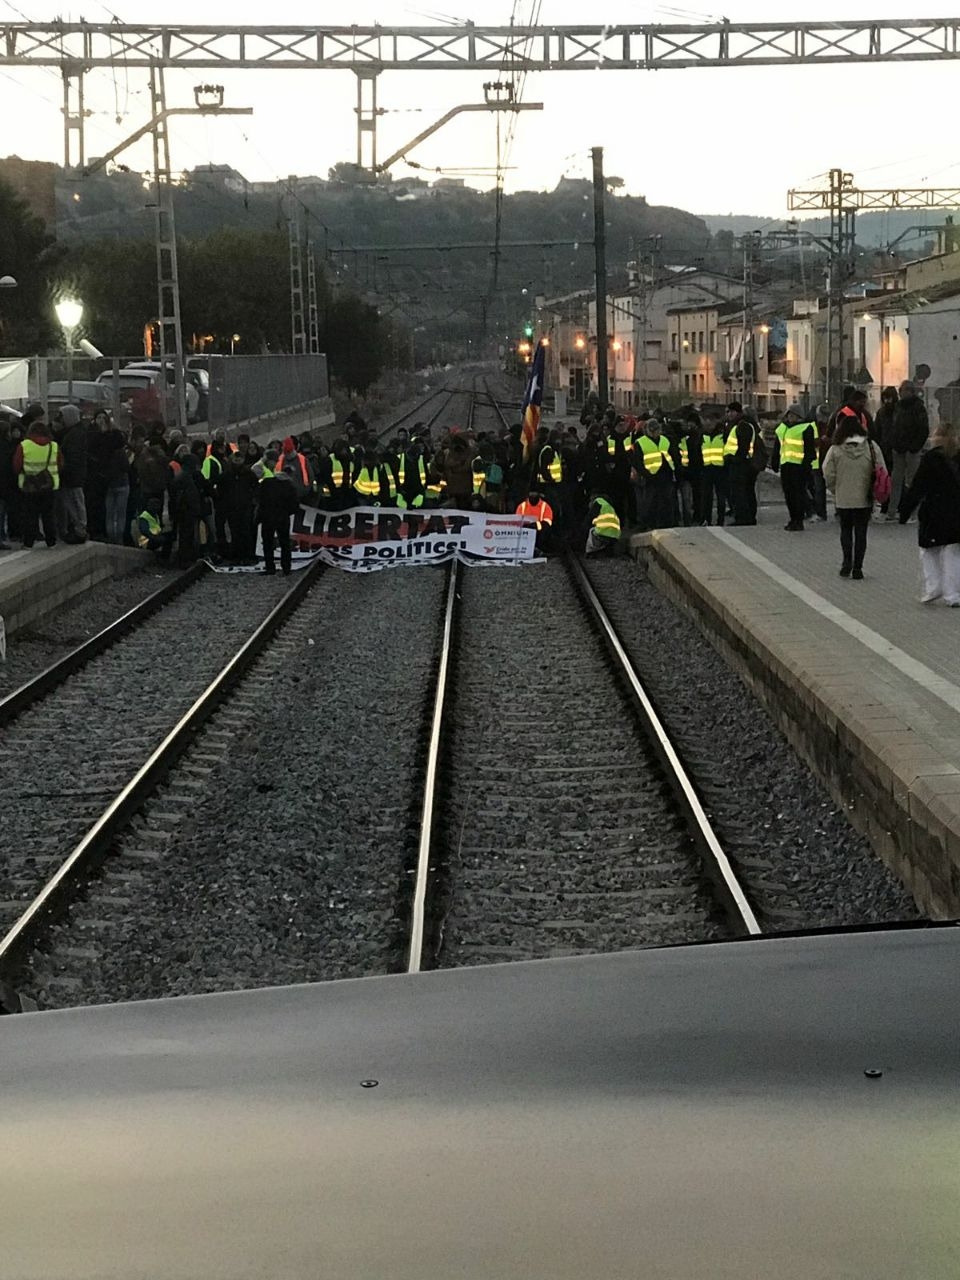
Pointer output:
x,y
600,251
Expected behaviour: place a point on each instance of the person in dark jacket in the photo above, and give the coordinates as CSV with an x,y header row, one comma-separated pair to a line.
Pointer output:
x,y
739,470
187,505
883,423
8,483
117,469
908,435
241,490
936,492
278,500
70,505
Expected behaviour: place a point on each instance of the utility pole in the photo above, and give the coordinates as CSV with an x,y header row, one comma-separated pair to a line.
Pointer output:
x,y
298,336
751,243
168,273
313,317
841,198
600,251
209,102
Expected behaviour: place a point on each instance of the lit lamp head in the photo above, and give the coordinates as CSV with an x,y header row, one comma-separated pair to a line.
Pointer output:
x,y
69,312
7,282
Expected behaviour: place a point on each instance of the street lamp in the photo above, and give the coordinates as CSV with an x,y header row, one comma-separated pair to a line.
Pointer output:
x,y
234,339
7,282
69,314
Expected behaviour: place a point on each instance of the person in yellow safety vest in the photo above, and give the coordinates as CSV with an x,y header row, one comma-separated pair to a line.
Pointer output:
x,y
534,507
794,456
713,476
604,532
375,484
654,473
36,460
689,459
411,474
738,458
343,471
151,535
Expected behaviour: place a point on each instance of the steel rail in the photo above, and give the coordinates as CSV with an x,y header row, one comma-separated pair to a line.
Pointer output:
x,y
398,421
495,404
421,886
716,864
15,703
96,845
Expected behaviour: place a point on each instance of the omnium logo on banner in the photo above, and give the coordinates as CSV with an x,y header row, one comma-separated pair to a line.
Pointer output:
x,y
366,538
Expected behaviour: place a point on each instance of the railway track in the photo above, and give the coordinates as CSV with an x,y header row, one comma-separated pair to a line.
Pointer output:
x,y
497,790
557,817
88,740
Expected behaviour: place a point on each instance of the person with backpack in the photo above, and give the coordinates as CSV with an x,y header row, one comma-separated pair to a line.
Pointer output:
x,y
36,463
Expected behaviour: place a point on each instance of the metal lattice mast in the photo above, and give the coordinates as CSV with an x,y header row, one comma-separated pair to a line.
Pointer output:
x,y
298,337
168,276
313,314
841,199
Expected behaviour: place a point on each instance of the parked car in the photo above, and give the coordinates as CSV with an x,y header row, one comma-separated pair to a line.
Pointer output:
x,y
89,397
196,386
141,391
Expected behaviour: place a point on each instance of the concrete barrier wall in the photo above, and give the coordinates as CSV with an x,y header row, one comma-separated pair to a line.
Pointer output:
x,y
36,582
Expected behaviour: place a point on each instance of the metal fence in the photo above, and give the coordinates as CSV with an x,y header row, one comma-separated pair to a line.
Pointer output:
x,y
241,387
244,387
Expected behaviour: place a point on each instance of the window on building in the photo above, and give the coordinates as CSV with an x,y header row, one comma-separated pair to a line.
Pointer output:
x,y
700,340
703,382
686,339
673,342
713,340
686,382
726,346
886,344
806,346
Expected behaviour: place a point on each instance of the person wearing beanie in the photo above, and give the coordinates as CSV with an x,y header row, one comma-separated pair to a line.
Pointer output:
x,y
70,504
795,456
36,462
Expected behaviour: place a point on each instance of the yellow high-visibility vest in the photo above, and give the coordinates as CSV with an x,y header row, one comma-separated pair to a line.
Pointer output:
x,y
606,523
654,453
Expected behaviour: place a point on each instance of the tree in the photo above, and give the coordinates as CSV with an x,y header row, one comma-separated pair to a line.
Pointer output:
x,y
613,183
352,336
27,322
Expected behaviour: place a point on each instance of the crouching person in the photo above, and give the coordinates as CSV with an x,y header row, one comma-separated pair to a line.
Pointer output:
x,y
151,535
604,532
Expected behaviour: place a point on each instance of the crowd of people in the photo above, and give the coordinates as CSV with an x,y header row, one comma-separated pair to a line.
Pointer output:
x,y
582,484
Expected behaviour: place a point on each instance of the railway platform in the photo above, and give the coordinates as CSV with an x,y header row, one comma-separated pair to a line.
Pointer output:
x,y
862,678
34,582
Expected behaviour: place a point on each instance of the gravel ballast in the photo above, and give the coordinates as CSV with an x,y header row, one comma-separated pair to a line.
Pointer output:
x,y
48,639
287,864
559,835
805,864
66,757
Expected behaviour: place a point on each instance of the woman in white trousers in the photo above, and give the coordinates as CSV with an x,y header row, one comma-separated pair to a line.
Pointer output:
x,y
935,496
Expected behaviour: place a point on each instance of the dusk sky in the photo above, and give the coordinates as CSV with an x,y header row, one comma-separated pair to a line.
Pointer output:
x,y
705,140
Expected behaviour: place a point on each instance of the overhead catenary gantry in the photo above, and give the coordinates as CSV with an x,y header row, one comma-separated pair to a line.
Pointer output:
x,y
76,48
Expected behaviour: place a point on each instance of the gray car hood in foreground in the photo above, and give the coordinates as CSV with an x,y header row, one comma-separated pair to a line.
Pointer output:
x,y
692,1114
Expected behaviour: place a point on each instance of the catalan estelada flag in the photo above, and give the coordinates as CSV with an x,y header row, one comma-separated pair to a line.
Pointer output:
x,y
533,399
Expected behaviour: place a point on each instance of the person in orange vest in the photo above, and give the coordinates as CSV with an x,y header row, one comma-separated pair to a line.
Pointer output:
x,y
535,508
